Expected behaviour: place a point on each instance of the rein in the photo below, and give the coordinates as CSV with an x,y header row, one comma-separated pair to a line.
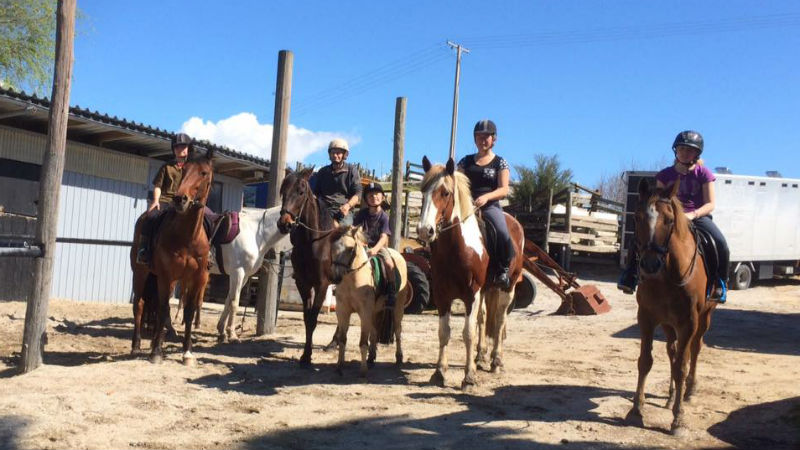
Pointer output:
x,y
298,221
349,264
440,229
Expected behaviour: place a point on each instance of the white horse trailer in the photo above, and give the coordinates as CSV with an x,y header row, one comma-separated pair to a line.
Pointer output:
x,y
759,216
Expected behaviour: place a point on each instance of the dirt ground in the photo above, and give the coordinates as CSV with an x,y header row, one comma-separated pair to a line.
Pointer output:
x,y
568,383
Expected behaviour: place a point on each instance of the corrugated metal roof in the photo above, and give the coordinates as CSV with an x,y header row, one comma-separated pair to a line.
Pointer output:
x,y
18,109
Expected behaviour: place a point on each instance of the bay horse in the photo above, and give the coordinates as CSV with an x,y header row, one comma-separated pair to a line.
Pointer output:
x,y
309,227
460,266
180,253
672,293
243,256
356,292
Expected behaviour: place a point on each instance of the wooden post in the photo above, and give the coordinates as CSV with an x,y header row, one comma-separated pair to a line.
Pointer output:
x,y
267,305
34,337
395,218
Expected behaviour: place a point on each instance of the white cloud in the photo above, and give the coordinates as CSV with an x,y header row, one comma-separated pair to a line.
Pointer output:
x,y
242,132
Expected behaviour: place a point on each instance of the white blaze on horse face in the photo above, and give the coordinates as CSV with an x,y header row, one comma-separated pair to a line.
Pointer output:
x,y
652,219
428,218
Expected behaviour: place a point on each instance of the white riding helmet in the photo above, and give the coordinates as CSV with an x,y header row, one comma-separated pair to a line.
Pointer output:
x,y
340,144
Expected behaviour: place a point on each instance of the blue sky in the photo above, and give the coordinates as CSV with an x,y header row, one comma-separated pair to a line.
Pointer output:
x,y
605,85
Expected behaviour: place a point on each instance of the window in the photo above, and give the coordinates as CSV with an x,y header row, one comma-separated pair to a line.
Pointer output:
x,y
215,197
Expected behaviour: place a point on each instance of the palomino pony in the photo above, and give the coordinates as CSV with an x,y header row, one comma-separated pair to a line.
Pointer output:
x,y
180,253
310,227
243,256
356,292
459,265
672,293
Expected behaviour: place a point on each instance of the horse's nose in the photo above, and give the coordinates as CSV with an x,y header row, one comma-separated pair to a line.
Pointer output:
x,y
180,199
650,264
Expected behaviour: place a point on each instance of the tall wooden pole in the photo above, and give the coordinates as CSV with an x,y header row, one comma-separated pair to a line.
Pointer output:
x,y
395,218
267,306
34,337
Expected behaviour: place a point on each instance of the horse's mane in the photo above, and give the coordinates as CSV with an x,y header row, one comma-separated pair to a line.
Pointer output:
x,y
462,195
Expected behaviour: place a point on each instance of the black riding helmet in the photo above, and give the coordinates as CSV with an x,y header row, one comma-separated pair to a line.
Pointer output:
x,y
485,126
689,138
372,187
181,139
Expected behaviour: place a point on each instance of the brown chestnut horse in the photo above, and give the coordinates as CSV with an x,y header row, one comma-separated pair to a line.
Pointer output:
x,y
459,266
180,253
310,227
672,293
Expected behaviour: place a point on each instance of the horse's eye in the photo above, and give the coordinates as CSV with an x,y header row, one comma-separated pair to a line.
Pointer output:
x,y
445,194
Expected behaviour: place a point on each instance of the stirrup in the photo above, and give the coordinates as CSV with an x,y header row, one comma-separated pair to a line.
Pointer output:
x,y
723,295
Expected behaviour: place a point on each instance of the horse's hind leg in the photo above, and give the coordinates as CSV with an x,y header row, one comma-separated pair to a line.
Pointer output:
x,y
672,339
502,300
138,312
398,325
646,327
156,353
480,359
696,345
225,326
369,338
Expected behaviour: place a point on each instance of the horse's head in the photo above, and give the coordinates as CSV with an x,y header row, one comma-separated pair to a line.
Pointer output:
x,y
195,185
295,193
445,198
345,243
658,216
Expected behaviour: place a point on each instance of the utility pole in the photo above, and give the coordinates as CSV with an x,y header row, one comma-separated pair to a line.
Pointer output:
x,y
267,304
34,336
459,50
397,171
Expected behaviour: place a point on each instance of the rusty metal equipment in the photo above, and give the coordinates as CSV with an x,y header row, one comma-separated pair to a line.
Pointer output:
x,y
582,300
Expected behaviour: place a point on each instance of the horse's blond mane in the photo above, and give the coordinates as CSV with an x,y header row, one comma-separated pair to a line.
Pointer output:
x,y
463,197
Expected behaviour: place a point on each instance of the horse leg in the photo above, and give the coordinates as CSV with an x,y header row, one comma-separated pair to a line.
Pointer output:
x,y
398,321
470,322
679,372
310,317
444,338
672,338
156,353
138,311
369,337
503,299
171,335
343,319
193,303
646,328
226,326
480,359
696,345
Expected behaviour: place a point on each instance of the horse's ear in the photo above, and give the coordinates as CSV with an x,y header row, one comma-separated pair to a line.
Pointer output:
x,y
306,173
451,166
674,191
426,164
644,190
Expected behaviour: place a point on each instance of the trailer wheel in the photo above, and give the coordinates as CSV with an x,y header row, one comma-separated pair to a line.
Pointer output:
x,y
741,277
421,287
524,292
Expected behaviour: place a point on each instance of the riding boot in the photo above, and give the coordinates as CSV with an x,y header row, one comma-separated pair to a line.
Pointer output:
x,y
719,293
630,276
143,252
503,279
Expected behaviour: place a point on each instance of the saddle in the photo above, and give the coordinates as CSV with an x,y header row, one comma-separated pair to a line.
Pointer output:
x,y
220,229
379,275
707,248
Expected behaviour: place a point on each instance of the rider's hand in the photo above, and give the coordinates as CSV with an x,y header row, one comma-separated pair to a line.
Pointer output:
x,y
155,205
372,251
345,208
691,215
480,201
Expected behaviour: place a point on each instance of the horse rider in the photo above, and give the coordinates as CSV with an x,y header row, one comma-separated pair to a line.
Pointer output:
x,y
165,185
338,184
375,223
489,175
696,194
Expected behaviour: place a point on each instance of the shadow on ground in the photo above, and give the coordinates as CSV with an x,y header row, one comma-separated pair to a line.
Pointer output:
x,y
774,425
481,425
744,330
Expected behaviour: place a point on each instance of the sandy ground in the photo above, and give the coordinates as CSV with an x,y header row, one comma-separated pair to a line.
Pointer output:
x,y
568,383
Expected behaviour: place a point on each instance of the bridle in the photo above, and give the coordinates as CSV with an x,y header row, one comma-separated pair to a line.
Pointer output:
x,y
663,250
440,224
349,264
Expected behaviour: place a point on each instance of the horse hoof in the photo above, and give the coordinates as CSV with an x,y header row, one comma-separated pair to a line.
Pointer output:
x,y
437,379
468,383
635,418
221,339
189,361
234,339
497,365
156,359
305,361
398,359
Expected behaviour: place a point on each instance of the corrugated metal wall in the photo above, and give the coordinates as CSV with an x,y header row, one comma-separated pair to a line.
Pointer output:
x,y
103,193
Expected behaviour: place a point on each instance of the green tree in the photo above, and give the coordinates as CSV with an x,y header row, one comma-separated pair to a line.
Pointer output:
x,y
27,44
533,185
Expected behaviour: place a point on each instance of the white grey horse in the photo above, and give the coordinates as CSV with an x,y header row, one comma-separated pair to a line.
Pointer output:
x,y
242,257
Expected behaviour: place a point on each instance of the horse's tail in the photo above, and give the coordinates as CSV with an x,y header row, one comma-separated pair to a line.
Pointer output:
x,y
385,324
150,296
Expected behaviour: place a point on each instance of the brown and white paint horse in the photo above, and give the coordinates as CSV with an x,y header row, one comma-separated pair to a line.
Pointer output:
x,y
672,293
459,266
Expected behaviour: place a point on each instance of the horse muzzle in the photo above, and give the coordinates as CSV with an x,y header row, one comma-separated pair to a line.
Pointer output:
x,y
182,203
651,263
286,223
426,233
